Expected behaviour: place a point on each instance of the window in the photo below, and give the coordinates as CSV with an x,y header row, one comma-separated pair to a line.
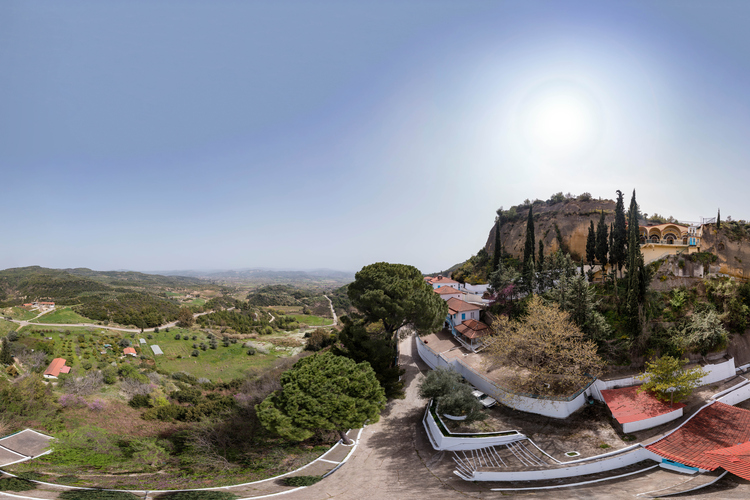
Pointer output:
x,y
463,316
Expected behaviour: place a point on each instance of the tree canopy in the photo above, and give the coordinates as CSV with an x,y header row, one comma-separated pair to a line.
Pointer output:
x,y
551,350
397,295
323,392
452,394
666,373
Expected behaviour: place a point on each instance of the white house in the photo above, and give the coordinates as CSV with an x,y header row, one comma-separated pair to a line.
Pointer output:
x,y
459,311
441,281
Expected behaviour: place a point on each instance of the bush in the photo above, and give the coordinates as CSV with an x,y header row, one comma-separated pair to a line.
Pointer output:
x,y
198,495
301,480
97,495
195,353
16,484
177,336
250,351
140,401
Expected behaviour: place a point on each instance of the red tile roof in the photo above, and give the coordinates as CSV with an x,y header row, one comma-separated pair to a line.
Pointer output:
x,y
65,369
446,290
54,368
458,305
735,459
629,405
472,329
128,350
442,280
713,428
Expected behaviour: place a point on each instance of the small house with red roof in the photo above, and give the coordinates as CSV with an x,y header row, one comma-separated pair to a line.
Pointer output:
x,y
441,281
472,332
129,350
636,411
463,321
55,368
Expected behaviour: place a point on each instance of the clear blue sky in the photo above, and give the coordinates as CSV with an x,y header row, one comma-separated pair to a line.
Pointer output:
x,y
153,135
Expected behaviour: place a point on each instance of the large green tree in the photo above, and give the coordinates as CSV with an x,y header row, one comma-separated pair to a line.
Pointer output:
x,y
323,392
6,358
359,343
669,381
397,295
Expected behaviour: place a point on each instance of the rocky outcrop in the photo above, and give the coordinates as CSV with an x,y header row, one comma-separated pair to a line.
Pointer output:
x,y
572,219
733,252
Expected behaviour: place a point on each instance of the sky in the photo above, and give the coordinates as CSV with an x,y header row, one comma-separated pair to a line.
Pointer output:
x,y
158,135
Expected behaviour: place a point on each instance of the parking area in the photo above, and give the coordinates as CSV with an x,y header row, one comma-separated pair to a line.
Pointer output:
x,y
23,445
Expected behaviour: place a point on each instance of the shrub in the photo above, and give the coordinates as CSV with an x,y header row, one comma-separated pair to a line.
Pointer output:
x,y
198,495
177,336
110,375
31,476
301,480
96,495
140,401
16,484
250,351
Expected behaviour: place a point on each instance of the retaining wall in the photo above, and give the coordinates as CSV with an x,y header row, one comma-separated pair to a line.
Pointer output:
x,y
457,442
648,423
555,408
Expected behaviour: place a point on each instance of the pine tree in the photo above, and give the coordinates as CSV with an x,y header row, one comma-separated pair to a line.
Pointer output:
x,y
618,254
591,244
718,220
602,243
498,247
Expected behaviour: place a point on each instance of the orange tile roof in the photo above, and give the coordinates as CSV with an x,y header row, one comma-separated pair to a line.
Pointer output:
x,y
442,280
65,369
629,405
458,305
446,290
713,428
735,459
54,368
472,329
128,350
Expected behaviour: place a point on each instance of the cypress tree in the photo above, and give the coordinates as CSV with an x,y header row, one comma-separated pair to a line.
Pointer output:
x,y
498,247
530,246
540,260
591,244
718,220
5,356
602,243
636,273
620,238
611,247
528,254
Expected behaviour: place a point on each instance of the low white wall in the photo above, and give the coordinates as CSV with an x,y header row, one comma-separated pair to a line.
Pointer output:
x,y
577,469
479,289
458,442
718,372
736,396
715,373
648,423
547,407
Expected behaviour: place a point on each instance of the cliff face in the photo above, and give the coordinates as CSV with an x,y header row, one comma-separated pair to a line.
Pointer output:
x,y
733,252
572,219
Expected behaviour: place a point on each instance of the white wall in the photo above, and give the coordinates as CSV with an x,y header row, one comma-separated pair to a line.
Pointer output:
x,y
457,442
579,468
480,289
548,407
736,396
648,423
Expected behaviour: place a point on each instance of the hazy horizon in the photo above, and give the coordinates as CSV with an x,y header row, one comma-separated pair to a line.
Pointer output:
x,y
331,134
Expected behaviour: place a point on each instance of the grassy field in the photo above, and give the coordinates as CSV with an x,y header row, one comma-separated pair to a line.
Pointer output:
x,y
289,309
19,313
66,315
7,326
197,302
311,320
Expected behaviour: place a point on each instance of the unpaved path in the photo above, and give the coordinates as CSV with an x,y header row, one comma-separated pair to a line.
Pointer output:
x,y
23,323
330,302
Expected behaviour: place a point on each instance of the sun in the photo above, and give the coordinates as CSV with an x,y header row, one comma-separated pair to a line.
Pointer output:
x,y
560,119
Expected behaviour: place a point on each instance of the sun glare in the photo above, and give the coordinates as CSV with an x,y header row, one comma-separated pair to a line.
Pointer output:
x,y
560,119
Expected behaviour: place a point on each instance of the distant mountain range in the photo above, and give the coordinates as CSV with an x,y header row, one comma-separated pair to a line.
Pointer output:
x,y
267,276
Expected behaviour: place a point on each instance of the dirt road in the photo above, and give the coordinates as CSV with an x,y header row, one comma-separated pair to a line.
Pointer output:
x,y
333,313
